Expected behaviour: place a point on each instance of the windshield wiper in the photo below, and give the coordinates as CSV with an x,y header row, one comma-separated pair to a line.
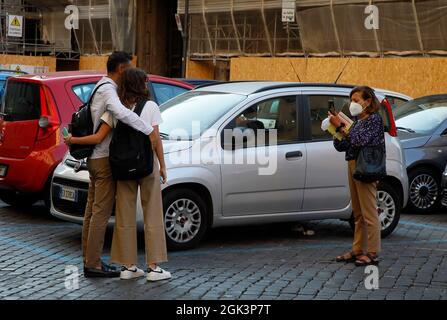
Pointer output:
x,y
406,129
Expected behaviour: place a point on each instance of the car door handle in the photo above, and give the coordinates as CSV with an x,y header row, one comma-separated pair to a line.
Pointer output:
x,y
294,154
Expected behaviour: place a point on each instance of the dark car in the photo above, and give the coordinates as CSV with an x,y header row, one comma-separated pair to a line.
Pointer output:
x,y
444,187
199,82
422,128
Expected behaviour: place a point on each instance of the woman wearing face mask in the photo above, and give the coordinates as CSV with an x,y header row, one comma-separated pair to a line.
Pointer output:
x,y
367,130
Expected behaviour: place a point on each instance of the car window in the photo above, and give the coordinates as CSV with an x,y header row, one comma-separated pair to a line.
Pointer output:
x,y
319,107
275,116
187,116
395,102
164,92
2,87
22,101
421,116
83,91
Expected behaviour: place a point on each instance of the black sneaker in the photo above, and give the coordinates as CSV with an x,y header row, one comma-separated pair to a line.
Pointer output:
x,y
106,271
110,267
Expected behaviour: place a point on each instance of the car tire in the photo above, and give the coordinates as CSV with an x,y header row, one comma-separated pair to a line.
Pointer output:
x,y
18,200
389,206
47,195
425,191
186,218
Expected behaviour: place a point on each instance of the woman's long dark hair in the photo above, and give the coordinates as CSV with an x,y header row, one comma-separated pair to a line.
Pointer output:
x,y
368,93
132,86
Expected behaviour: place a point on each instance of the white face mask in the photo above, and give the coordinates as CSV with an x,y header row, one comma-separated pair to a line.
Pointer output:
x,y
355,109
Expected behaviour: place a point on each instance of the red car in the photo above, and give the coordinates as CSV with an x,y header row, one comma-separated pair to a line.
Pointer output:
x,y
34,111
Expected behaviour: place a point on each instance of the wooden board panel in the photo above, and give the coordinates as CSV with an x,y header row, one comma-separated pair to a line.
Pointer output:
x,y
200,69
412,76
49,62
98,63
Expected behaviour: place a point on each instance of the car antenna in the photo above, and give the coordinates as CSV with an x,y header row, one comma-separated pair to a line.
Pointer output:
x,y
342,70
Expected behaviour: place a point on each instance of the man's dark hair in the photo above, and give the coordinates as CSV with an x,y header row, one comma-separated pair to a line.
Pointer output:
x,y
117,58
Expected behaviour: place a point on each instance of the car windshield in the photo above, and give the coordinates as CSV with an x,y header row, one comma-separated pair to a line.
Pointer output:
x,y
421,116
187,116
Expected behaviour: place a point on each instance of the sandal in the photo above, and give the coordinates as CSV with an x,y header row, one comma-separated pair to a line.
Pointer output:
x,y
348,257
370,260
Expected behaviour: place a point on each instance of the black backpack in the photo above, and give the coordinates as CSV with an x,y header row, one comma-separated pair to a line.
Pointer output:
x,y
131,156
81,126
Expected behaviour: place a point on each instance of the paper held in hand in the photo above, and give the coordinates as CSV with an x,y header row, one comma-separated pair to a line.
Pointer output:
x,y
326,125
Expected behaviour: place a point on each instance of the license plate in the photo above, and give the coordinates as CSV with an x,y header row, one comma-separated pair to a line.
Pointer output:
x,y
3,170
68,194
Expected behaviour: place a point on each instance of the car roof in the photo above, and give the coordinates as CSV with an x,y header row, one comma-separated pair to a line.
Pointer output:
x,y
252,87
73,75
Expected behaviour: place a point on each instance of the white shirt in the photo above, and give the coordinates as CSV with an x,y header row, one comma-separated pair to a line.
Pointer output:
x,y
150,115
106,99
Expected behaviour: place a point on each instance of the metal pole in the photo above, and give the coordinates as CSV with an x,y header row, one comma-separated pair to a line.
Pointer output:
x,y
185,39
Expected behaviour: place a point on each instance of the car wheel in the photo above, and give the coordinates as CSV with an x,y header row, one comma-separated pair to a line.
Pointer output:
x,y
185,218
18,200
388,208
425,189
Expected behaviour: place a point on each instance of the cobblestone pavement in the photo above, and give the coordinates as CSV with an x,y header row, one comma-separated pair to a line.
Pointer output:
x,y
263,262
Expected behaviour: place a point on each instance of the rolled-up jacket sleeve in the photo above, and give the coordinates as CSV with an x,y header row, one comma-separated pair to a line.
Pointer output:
x,y
123,114
341,146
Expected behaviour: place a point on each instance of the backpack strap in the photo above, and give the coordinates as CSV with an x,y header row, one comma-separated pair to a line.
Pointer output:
x,y
140,106
90,100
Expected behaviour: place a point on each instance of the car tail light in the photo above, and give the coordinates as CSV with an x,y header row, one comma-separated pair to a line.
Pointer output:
x,y
392,130
49,120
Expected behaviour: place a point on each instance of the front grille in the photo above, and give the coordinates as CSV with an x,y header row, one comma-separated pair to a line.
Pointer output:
x,y
69,207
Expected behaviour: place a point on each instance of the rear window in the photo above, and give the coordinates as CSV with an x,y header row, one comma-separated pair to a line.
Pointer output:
x,y
22,101
84,91
165,92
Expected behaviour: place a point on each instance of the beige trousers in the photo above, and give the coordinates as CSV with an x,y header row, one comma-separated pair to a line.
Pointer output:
x,y
101,197
124,244
366,217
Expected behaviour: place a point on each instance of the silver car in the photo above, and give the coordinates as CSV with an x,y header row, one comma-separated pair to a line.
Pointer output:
x,y
220,175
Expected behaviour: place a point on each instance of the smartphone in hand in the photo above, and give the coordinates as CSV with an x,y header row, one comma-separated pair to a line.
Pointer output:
x,y
65,132
331,107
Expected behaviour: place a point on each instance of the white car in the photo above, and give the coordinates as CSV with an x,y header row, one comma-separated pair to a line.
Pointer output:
x,y
305,178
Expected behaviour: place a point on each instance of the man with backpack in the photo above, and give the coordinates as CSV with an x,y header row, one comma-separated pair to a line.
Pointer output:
x,y
102,188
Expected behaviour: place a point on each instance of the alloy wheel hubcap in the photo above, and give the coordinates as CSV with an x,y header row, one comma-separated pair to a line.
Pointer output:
x,y
182,220
386,208
423,191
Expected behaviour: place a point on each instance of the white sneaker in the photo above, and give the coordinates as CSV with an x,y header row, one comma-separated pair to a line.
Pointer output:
x,y
157,274
131,273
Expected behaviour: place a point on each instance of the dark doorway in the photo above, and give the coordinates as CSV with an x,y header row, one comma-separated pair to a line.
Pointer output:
x,y
175,43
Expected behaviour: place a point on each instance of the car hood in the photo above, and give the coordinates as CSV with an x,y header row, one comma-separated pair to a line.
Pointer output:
x,y
409,142
170,146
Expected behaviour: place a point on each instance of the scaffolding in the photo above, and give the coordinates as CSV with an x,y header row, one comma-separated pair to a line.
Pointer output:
x,y
104,26
221,29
